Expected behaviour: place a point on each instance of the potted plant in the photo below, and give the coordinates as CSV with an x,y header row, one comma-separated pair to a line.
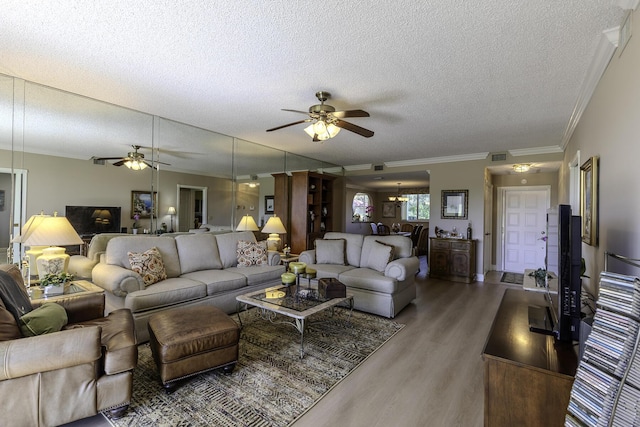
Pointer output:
x,y
541,277
53,283
136,225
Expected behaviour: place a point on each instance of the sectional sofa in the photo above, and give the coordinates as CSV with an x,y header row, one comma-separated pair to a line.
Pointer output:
x,y
200,269
378,270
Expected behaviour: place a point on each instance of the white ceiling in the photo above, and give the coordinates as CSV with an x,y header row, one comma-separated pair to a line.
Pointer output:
x,y
439,77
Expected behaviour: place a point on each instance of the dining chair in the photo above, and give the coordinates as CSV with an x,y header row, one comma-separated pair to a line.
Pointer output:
x,y
406,227
383,230
374,228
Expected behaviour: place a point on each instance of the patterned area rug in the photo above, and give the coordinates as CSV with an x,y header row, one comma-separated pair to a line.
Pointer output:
x,y
515,278
271,385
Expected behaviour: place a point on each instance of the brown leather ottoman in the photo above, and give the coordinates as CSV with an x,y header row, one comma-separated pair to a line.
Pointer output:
x,y
188,341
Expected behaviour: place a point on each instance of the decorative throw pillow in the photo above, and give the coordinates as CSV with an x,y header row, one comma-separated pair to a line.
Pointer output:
x,y
379,256
330,251
149,265
49,317
252,253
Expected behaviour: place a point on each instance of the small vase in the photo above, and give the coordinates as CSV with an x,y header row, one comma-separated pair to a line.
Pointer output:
x,y
134,230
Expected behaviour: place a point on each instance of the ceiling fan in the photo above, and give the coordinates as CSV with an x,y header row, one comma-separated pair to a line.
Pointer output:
x,y
326,121
134,160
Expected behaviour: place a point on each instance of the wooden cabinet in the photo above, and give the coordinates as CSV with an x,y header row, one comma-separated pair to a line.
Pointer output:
x,y
453,259
527,376
311,212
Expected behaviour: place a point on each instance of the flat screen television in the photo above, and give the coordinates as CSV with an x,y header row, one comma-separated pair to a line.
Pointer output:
x,y
91,220
561,317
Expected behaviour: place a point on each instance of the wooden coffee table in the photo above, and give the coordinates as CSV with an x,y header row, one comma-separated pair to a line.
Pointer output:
x,y
293,302
75,287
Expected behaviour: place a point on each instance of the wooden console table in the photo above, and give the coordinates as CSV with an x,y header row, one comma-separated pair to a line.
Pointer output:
x,y
527,375
453,259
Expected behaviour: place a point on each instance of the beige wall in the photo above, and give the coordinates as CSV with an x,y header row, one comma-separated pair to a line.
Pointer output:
x,y
610,128
54,182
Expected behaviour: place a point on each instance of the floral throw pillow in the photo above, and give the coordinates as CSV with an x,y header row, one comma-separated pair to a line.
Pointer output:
x,y
251,253
149,265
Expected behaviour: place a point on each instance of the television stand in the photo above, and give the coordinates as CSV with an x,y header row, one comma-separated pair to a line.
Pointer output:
x,y
540,320
527,376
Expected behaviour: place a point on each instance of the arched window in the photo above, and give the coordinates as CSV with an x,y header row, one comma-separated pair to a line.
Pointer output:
x,y
361,207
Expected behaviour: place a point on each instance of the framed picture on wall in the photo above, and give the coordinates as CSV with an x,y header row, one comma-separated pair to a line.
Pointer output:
x,y
589,201
455,204
142,204
269,204
388,209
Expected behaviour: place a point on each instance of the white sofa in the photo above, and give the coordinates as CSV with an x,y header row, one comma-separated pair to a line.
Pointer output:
x,y
201,269
378,270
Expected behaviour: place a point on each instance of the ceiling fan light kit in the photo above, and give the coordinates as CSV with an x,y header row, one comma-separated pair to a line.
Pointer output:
x,y
326,121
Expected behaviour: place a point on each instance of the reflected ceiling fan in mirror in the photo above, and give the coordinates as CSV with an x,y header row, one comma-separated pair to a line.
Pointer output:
x,y
326,122
134,160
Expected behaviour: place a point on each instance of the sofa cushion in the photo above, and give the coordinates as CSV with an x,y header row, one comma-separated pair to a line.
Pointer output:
x,y
251,253
165,293
379,256
149,265
403,247
354,245
329,270
330,251
228,243
218,280
49,317
366,278
198,252
259,274
118,248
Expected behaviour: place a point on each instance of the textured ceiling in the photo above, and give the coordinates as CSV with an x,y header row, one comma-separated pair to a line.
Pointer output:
x,y
439,77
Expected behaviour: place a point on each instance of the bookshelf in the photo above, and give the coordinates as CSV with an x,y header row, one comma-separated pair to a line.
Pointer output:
x,y
606,390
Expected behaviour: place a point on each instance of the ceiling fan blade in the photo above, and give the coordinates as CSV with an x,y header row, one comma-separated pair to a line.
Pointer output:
x,y
296,111
354,128
349,113
290,124
121,162
106,158
151,165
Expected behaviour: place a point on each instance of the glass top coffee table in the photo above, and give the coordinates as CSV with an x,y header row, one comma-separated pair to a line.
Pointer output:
x,y
290,302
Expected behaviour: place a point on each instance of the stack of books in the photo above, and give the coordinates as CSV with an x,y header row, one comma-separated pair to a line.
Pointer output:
x,y
606,390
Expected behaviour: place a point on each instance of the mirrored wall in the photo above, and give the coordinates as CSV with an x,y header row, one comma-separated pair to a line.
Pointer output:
x,y
51,142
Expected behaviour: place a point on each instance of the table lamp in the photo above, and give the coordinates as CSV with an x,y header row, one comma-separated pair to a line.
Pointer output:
x,y
53,232
171,211
274,227
247,223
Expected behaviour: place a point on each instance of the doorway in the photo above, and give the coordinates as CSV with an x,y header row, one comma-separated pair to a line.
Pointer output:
x,y
192,207
13,196
523,223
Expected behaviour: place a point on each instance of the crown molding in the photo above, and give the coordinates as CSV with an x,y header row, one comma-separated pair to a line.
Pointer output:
x,y
552,149
606,47
434,160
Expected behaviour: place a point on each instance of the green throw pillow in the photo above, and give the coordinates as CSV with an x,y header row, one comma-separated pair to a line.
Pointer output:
x,y
49,317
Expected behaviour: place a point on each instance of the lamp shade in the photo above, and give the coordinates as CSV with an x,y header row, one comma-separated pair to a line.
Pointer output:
x,y
46,230
171,210
247,223
274,225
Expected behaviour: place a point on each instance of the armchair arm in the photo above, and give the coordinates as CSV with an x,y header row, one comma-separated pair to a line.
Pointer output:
x,y
308,257
59,350
115,279
80,266
402,268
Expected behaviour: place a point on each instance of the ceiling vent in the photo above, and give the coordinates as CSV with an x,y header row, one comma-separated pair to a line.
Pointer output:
x,y
378,167
499,157
99,162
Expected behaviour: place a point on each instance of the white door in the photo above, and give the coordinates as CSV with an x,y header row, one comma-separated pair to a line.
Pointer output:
x,y
525,222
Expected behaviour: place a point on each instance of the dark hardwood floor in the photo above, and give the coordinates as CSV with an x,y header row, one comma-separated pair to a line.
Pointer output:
x,y
429,374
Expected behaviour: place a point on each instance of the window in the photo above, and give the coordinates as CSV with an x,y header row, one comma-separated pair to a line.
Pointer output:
x,y
362,207
417,208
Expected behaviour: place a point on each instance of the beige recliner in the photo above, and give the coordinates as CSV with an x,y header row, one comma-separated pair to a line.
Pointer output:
x,y
56,378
